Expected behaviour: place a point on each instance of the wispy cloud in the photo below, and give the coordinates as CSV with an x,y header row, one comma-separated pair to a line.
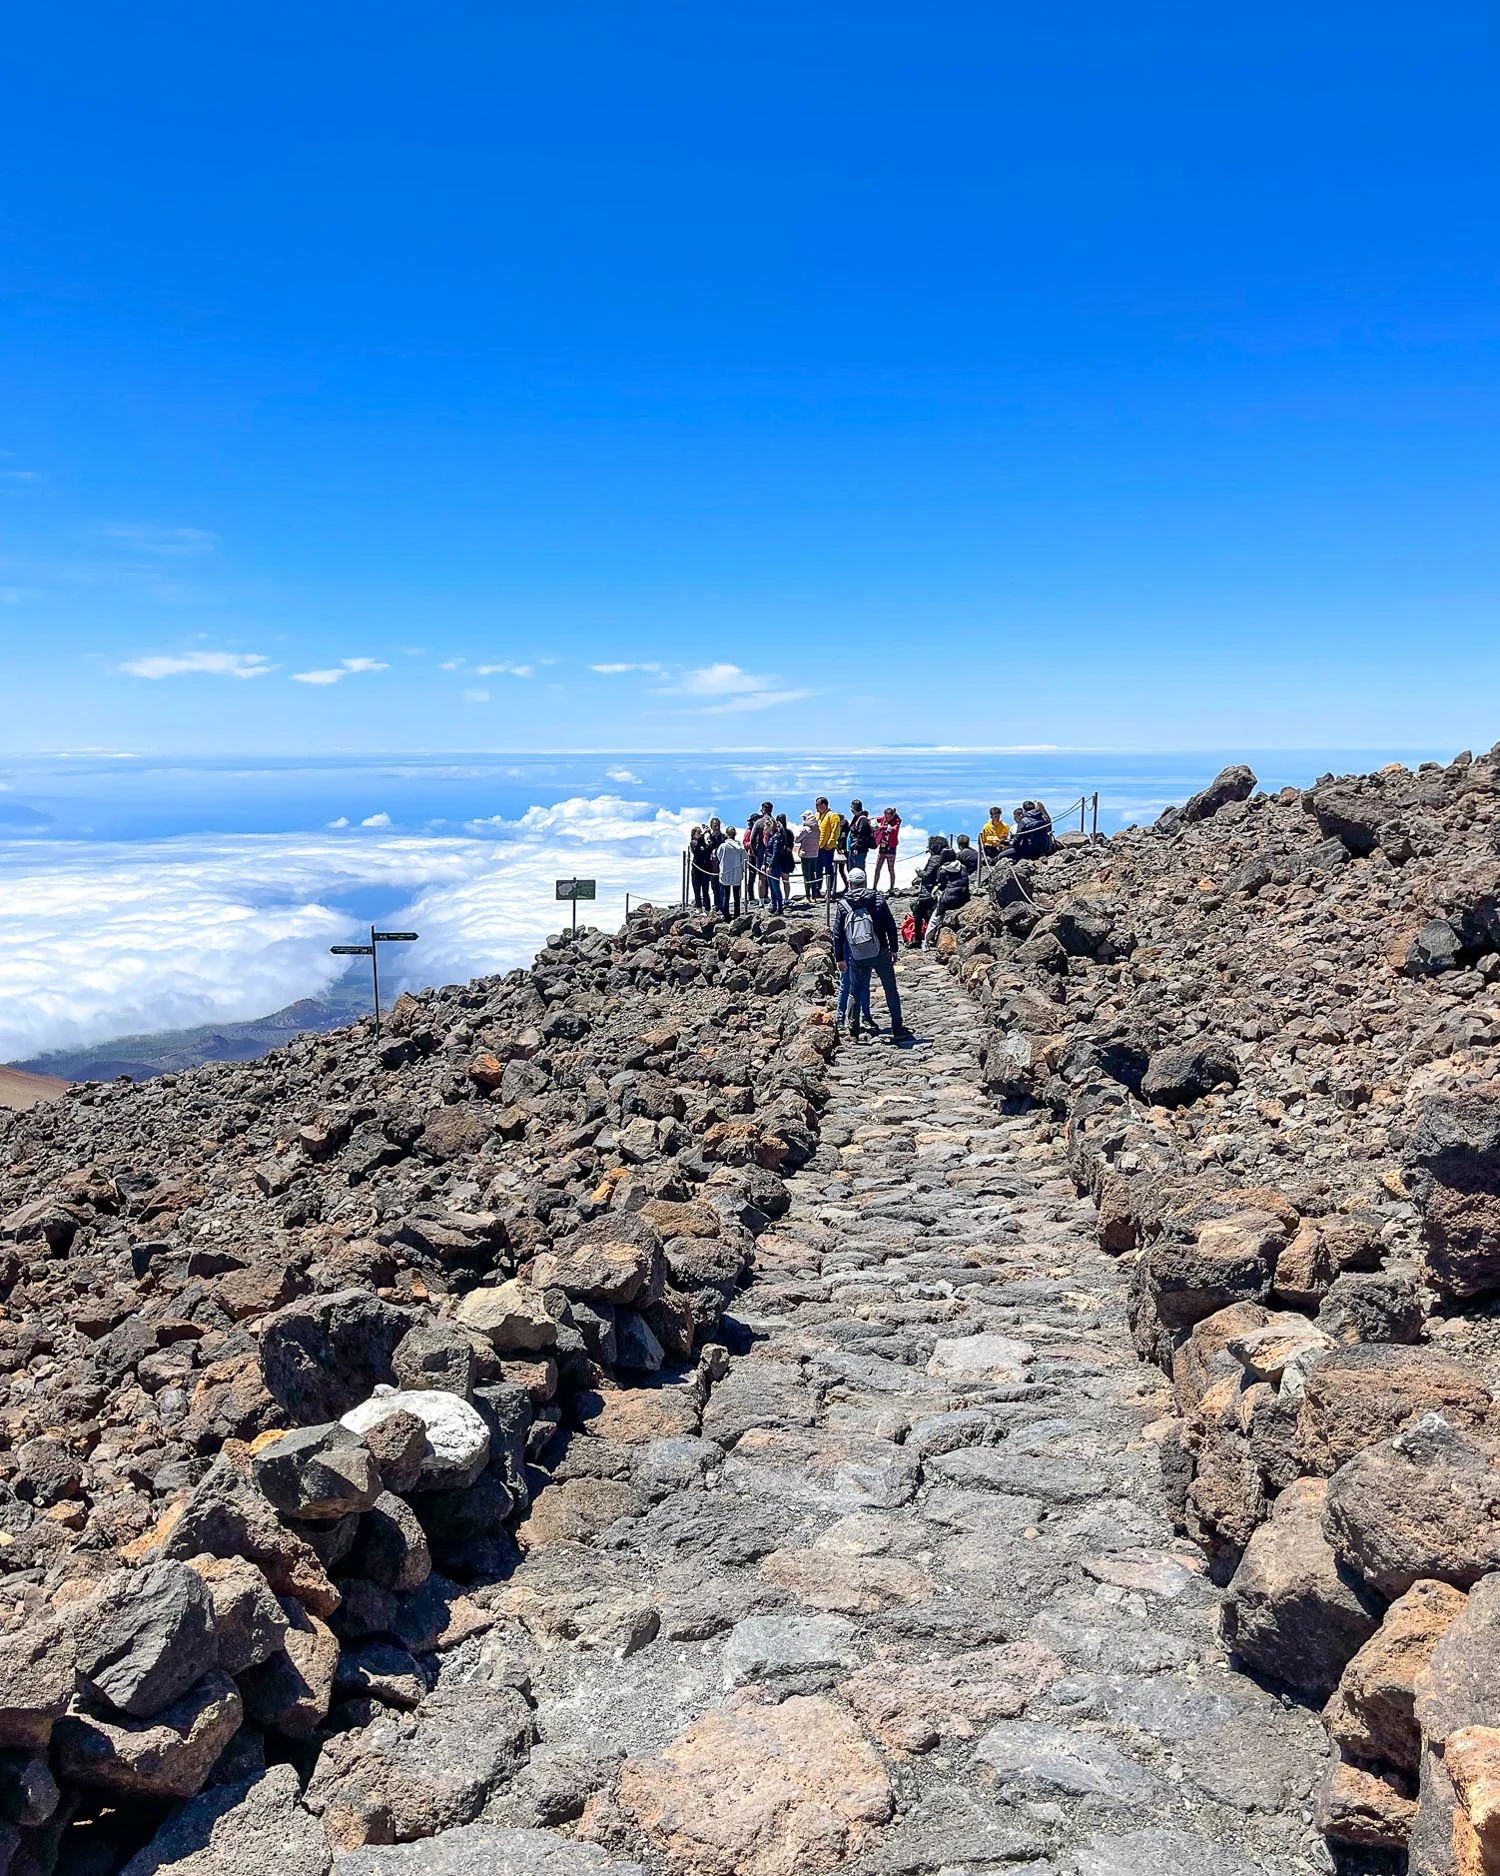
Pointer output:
x,y
727,689
623,775
168,543
376,820
451,664
335,674
206,663
505,670
614,670
477,696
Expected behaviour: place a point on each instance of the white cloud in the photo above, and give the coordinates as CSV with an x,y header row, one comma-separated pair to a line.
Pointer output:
x,y
342,821
623,775
169,543
376,820
477,696
732,689
505,670
111,939
451,664
613,670
347,667
209,663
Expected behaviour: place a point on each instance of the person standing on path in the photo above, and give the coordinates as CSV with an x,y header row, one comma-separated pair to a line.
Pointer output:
x,y
887,838
828,840
807,853
864,940
732,864
779,862
861,835
699,857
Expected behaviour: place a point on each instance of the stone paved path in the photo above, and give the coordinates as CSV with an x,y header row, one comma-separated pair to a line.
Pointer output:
x,y
903,1596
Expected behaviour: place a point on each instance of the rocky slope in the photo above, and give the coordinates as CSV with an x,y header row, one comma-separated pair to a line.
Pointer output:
x,y
288,1349
1269,1025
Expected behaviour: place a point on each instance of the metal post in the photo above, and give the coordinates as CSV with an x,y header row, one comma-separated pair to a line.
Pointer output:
x,y
1096,814
575,913
375,977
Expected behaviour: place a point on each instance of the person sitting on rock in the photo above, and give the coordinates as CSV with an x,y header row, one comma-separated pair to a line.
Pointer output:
x,y
952,896
993,836
967,856
925,885
1032,839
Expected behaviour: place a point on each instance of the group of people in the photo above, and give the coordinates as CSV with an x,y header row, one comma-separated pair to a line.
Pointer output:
x,y
731,867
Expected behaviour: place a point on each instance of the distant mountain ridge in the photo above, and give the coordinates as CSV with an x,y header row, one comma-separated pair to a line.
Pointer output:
x,y
141,1057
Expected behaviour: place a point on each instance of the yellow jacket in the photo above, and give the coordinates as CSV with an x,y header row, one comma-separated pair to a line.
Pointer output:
x,y
994,834
828,831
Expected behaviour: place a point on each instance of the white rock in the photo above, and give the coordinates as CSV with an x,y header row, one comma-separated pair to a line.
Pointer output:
x,y
458,1441
980,1358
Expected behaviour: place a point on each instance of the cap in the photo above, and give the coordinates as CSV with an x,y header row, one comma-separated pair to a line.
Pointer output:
x,y
856,876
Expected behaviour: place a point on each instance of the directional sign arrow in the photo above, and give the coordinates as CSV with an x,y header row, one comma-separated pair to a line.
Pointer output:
x,y
394,937
352,951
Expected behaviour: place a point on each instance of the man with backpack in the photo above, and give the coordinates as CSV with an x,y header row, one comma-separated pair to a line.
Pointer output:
x,y
864,940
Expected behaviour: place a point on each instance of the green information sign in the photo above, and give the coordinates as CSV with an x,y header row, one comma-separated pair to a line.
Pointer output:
x,y
576,889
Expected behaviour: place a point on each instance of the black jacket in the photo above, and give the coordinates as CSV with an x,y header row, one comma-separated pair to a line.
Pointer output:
x,y
885,925
953,886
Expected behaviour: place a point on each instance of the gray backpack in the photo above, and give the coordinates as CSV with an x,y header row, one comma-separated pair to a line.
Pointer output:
x,y
860,935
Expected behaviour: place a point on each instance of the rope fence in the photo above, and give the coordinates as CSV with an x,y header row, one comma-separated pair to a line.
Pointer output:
x,y
825,886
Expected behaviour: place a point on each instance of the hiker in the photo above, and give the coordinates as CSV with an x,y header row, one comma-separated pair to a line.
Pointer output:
x,y
700,864
952,886
993,836
841,848
925,885
732,865
861,834
807,853
779,846
828,834
759,835
864,940
887,838
1032,839
966,855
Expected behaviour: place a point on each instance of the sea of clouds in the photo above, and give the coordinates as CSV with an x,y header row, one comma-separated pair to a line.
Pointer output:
x,y
107,939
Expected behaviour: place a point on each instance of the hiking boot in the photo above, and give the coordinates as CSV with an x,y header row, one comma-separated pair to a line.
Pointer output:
x,y
903,1034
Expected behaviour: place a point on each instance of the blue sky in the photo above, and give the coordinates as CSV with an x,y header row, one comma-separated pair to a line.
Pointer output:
x,y
486,377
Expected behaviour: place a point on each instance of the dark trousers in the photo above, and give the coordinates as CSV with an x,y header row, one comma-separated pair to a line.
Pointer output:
x,y
724,895
884,967
703,884
825,868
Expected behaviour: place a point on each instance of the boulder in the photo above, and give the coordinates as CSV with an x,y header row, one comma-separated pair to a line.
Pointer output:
x,y
435,1355
317,1472
166,1756
399,1445
391,1546
614,1259
38,1673
228,1516
249,1626
1372,1810
323,1355
1357,1396
1369,1306
411,1775
1184,1072
512,1317
144,1637
1228,1261
1373,1714
1452,1165
1292,1611
1424,1504
290,1693
1236,783
458,1441
237,1829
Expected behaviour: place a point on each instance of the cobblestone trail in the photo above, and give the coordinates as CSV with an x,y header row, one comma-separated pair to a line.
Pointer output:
x,y
898,1592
